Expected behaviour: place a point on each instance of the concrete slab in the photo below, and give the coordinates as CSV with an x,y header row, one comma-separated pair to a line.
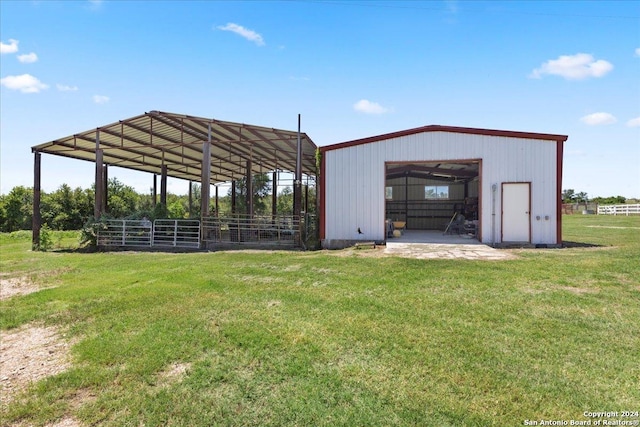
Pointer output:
x,y
435,245
446,251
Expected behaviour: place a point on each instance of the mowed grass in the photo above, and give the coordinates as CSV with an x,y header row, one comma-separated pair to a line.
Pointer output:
x,y
295,338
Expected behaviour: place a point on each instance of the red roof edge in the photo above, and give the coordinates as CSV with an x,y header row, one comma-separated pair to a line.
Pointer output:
x,y
453,129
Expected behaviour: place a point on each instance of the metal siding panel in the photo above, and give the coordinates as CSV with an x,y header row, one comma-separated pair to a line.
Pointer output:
x,y
377,184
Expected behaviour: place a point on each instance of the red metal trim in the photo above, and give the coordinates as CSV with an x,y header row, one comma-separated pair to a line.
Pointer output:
x,y
559,157
453,129
323,205
480,222
530,205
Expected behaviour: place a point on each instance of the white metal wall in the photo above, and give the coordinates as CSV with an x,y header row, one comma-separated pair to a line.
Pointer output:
x,y
355,180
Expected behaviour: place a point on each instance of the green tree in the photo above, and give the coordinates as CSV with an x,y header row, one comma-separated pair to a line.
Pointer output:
x,y
570,196
122,200
261,191
581,197
285,201
61,210
196,197
16,211
612,200
177,206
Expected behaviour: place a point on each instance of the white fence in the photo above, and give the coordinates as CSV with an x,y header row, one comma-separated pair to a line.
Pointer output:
x,y
176,233
619,209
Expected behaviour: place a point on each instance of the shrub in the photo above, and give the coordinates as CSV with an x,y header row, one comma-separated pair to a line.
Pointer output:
x,y
89,232
46,239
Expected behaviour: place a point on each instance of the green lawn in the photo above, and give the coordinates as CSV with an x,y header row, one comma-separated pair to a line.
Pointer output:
x,y
312,339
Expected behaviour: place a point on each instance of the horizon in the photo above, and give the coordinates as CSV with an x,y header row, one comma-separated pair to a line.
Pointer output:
x,y
351,69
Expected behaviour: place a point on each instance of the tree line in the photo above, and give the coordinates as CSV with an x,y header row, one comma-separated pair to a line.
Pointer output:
x,y
570,196
71,209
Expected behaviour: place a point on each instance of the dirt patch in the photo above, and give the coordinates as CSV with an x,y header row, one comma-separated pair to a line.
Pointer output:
x,y
10,287
551,288
377,252
612,226
82,397
579,291
29,354
173,374
63,422
66,422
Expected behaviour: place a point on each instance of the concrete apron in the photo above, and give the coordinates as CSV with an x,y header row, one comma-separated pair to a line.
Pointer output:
x,y
436,245
445,251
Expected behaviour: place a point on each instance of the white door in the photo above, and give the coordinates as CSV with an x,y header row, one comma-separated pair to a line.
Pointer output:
x,y
516,208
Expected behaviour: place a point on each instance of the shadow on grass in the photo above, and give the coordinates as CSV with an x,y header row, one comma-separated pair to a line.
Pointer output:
x,y
93,249
75,250
569,244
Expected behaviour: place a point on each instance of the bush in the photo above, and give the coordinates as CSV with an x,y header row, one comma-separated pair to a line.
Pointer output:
x,y
20,235
46,239
89,233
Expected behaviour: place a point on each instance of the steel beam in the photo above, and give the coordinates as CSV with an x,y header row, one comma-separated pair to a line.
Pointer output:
x,y
37,219
249,183
163,185
205,182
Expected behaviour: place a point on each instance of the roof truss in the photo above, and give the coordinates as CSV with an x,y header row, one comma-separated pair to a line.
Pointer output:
x,y
151,140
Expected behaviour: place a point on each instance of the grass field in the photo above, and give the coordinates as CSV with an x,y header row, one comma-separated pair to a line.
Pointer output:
x,y
313,338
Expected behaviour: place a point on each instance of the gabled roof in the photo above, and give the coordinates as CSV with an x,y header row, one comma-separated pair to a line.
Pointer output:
x,y
148,141
453,129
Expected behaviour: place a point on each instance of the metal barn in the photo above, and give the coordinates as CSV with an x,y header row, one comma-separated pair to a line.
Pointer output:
x,y
506,186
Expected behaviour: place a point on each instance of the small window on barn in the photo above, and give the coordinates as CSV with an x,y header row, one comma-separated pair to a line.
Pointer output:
x,y
436,192
388,193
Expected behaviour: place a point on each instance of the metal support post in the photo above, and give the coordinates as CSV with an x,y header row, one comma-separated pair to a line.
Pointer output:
x,y
36,220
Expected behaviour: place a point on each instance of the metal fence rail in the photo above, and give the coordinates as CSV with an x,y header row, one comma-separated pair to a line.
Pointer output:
x,y
619,209
257,230
284,230
177,233
125,232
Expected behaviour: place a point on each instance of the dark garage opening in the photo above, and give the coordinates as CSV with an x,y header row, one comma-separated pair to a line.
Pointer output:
x,y
427,195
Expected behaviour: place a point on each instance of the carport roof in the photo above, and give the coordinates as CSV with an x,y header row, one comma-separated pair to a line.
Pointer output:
x,y
151,140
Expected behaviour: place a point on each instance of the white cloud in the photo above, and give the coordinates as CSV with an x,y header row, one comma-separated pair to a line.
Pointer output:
x,y
25,83
634,123
573,67
638,51
65,88
597,119
28,58
100,99
12,47
369,107
243,32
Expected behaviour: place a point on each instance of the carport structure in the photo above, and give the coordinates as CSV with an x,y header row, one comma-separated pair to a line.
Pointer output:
x,y
192,148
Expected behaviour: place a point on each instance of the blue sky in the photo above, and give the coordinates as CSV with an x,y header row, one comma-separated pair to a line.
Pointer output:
x,y
352,69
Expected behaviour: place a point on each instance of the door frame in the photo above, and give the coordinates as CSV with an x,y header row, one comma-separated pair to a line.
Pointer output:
x,y
528,184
